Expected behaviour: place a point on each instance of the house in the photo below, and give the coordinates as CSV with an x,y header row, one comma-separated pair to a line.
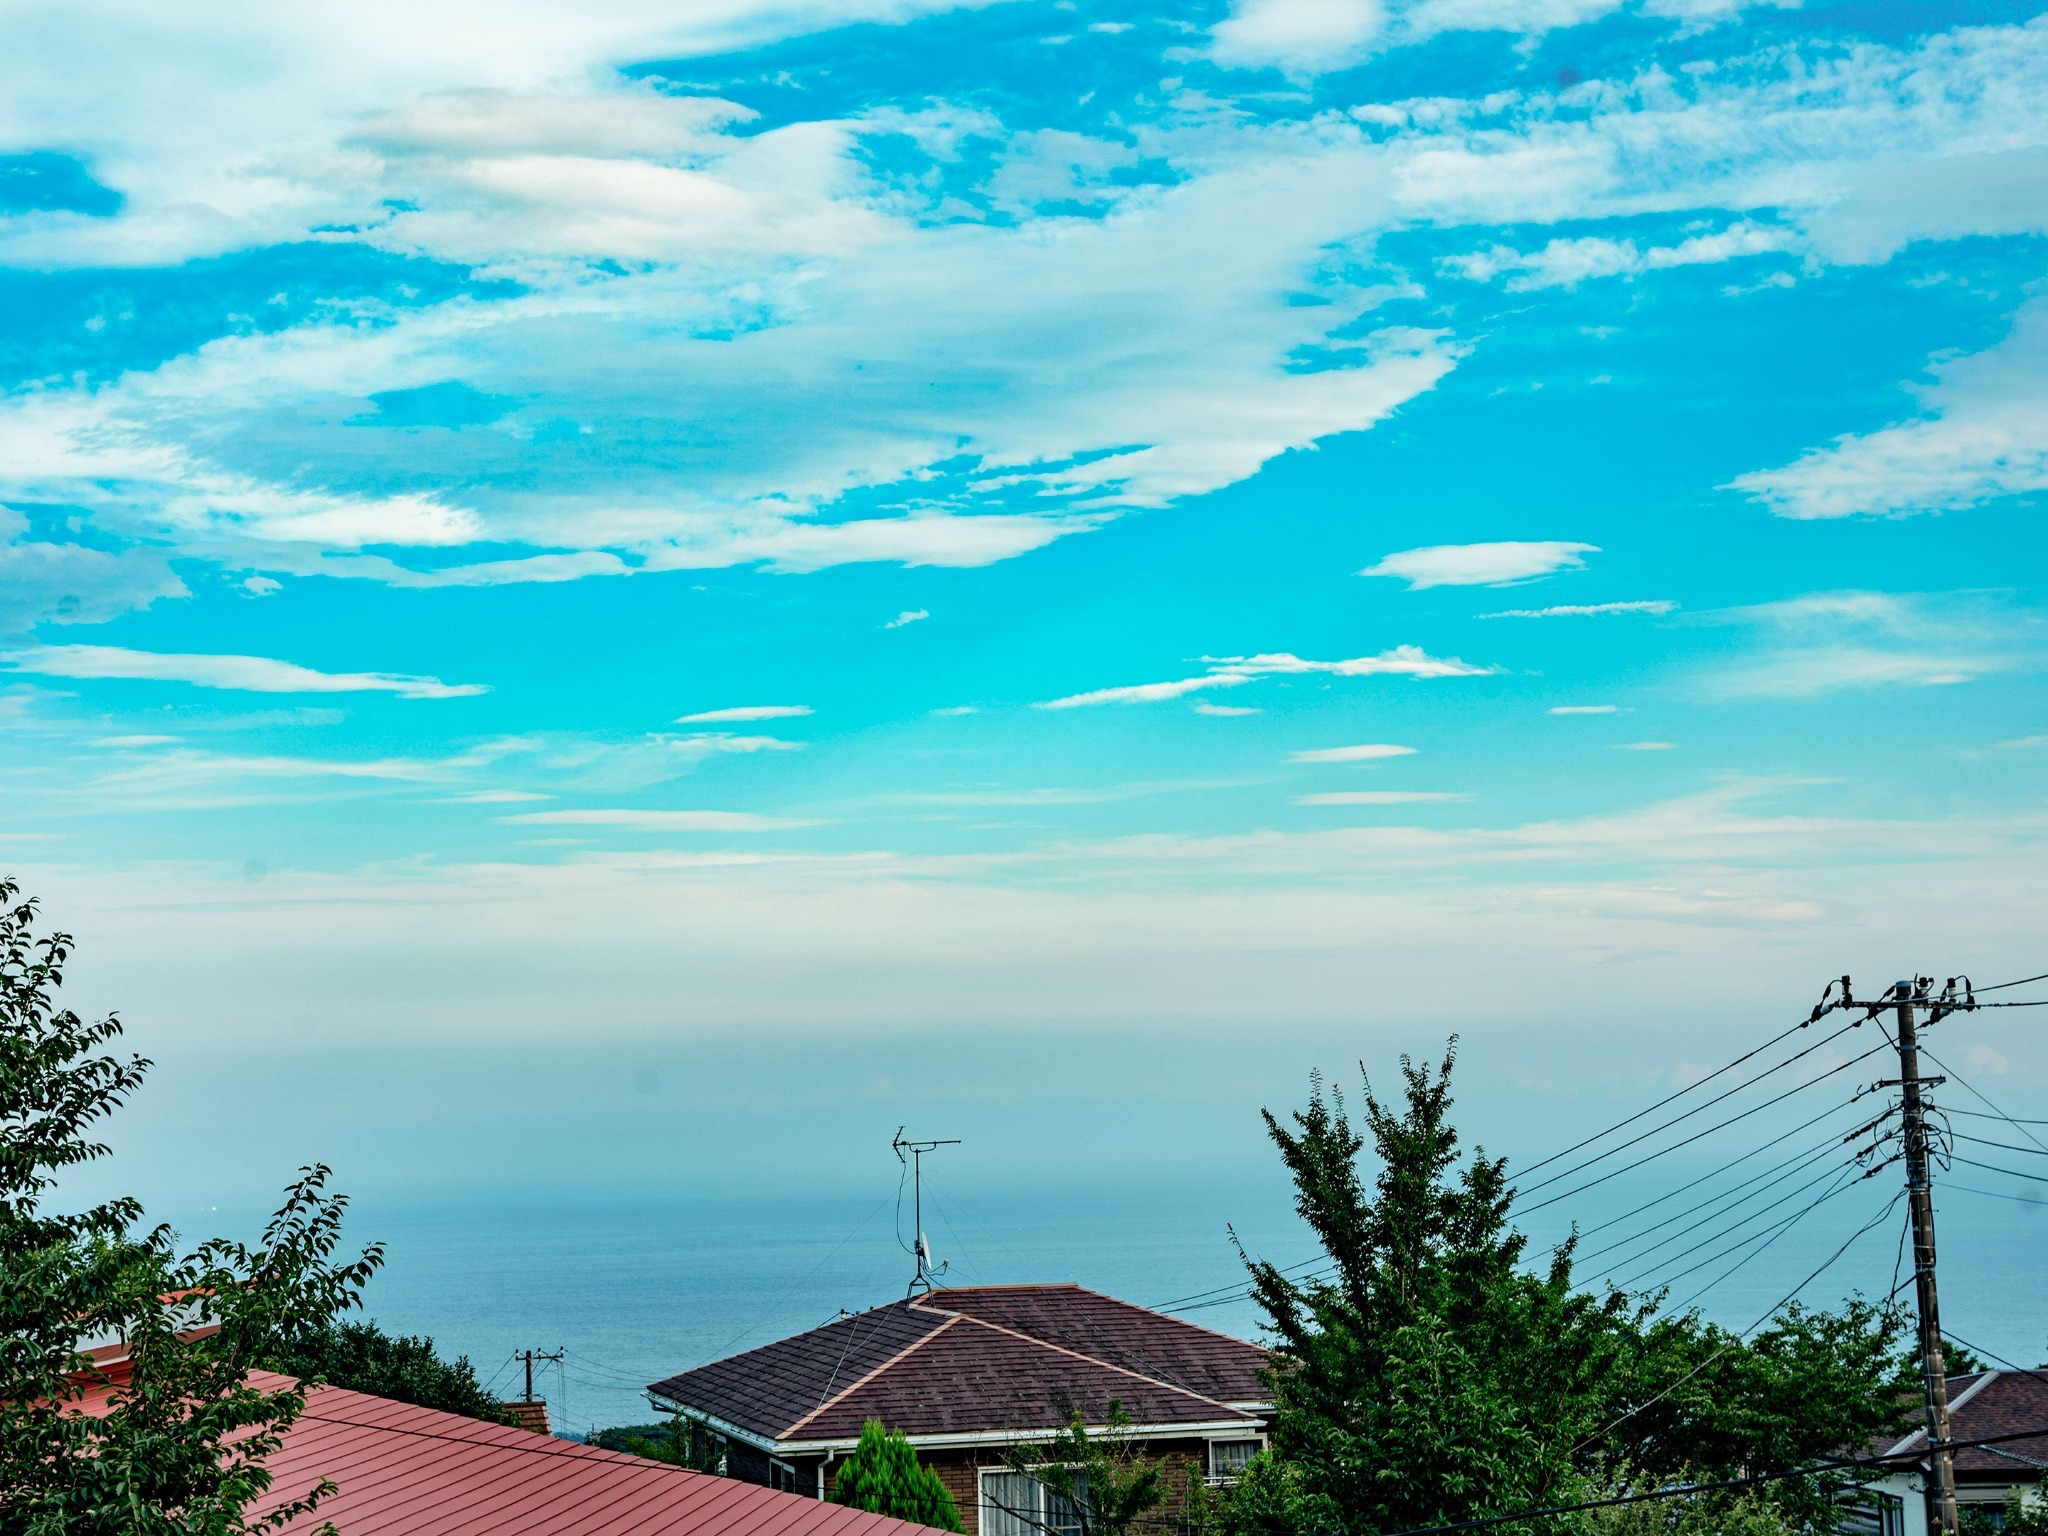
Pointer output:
x,y
406,1471
1985,1406
972,1372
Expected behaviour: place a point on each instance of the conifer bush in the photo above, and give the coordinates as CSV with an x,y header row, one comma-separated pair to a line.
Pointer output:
x,y
884,1476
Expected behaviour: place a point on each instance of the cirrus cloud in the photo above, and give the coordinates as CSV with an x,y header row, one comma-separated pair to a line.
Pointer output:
x,y
1503,564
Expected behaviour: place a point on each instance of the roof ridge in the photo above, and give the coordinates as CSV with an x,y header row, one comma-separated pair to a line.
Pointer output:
x,y
854,1386
1214,1333
1984,1379
1097,1360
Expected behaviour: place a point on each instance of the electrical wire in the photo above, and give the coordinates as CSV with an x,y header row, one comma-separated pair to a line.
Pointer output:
x,y
1697,1109
2003,1146
1997,1194
1786,1300
1789,1168
1984,1099
1890,1205
1724,1168
2001,986
1978,1114
1238,1287
2032,1178
1668,1099
1698,1135
1979,1349
1662,1270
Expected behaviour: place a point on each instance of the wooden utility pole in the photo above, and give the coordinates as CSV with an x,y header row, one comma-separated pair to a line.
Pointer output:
x,y
1919,1191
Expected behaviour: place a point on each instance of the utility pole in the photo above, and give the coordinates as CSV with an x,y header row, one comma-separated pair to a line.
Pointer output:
x,y
531,1355
1920,1194
917,1150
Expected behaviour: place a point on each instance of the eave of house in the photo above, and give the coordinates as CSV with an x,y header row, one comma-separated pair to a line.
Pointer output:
x,y
964,1440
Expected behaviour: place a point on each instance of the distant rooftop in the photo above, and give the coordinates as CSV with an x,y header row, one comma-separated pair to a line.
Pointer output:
x,y
979,1360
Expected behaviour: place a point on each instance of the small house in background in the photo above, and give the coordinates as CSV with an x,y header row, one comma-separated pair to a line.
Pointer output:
x,y
967,1374
1991,1405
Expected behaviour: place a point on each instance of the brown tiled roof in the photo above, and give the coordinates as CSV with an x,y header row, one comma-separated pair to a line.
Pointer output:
x,y
979,1360
1985,1406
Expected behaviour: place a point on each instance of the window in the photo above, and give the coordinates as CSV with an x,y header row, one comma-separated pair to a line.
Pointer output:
x,y
1227,1458
781,1476
1018,1504
1891,1515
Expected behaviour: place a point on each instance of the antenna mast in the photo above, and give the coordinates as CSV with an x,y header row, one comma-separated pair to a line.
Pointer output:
x,y
922,1280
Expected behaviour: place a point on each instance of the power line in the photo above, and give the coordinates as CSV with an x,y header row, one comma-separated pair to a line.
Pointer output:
x,y
1890,1206
1786,1300
1669,1098
1724,1168
1834,1172
1696,1109
1789,1168
1984,1099
2001,986
1970,1162
1697,1135
2003,1146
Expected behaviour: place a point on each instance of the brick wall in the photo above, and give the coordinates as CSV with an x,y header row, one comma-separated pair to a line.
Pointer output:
x,y
960,1471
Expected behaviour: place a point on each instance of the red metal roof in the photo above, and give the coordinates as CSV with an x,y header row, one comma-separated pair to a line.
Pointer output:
x,y
976,1360
406,1471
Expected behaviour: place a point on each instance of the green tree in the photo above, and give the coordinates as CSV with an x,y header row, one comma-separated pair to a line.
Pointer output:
x,y
1105,1477
1435,1376
364,1358
681,1442
883,1475
181,1447
2017,1516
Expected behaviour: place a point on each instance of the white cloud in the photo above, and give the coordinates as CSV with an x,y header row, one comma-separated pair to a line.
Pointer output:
x,y
1401,661
1565,263
72,583
1832,640
141,740
1299,36
1582,610
1224,711
717,743
251,674
659,821
1235,671
907,616
1584,709
1377,797
744,712
1644,746
1371,752
1147,693
1482,565
497,797
1984,435
261,586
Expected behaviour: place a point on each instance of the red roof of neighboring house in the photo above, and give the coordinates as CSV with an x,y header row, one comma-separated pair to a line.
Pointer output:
x,y
406,1471
980,1360
1984,1407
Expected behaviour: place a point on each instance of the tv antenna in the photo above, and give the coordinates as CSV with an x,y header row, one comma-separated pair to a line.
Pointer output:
x,y
917,1149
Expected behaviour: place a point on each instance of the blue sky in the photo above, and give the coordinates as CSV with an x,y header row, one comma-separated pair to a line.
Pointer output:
x,y
535,530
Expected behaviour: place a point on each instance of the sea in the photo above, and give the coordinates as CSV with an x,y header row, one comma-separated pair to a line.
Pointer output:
x,y
629,1290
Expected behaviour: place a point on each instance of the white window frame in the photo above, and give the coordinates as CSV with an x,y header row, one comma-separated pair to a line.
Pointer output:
x,y
1217,1479
1039,1525
781,1475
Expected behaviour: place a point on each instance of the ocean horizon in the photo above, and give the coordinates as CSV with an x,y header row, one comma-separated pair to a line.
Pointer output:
x,y
631,1290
